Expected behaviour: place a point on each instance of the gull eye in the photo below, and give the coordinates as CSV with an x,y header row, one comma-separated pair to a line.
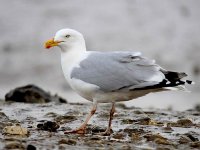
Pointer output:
x,y
67,36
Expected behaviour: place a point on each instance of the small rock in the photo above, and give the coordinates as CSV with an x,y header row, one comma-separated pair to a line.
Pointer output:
x,y
96,138
48,126
141,121
144,121
14,145
31,94
195,144
157,138
148,121
31,147
67,141
184,140
191,137
133,130
162,141
65,119
119,136
185,123
15,130
135,137
62,147
168,128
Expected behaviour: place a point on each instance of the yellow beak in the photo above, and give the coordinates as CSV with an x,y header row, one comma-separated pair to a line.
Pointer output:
x,y
51,43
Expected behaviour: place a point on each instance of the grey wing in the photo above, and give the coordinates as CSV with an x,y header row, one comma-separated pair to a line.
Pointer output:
x,y
114,71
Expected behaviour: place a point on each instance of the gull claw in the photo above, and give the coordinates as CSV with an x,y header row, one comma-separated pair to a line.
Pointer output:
x,y
108,132
76,131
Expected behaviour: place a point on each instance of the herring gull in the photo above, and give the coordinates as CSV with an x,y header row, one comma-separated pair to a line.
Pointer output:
x,y
110,77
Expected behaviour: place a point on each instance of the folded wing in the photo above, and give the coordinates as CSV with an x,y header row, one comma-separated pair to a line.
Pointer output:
x,y
115,71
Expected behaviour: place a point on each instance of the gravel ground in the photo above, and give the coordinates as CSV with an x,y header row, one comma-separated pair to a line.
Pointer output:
x,y
133,128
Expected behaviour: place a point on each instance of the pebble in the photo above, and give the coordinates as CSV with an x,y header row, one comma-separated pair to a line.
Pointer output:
x,y
14,145
195,144
65,119
119,136
157,138
192,137
31,147
48,126
67,141
185,123
15,130
184,139
134,130
135,137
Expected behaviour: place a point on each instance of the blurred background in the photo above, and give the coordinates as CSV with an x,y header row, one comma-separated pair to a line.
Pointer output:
x,y
168,31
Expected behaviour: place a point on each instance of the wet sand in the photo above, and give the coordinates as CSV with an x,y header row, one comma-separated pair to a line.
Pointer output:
x,y
133,128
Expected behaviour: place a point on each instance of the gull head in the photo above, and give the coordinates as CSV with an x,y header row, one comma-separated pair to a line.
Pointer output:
x,y
66,39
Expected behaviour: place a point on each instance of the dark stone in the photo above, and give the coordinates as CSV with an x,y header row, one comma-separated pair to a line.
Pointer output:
x,y
143,121
195,144
185,123
191,137
31,94
157,138
184,139
31,147
67,141
119,136
48,126
133,130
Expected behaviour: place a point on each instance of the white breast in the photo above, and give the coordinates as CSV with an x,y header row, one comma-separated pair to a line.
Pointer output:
x,y
70,61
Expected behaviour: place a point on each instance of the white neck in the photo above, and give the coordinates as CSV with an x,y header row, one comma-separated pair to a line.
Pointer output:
x,y
70,53
71,56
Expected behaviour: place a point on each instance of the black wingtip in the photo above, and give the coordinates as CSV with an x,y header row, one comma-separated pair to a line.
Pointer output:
x,y
190,82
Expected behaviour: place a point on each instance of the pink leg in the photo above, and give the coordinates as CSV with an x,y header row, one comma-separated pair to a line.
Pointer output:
x,y
82,128
112,111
